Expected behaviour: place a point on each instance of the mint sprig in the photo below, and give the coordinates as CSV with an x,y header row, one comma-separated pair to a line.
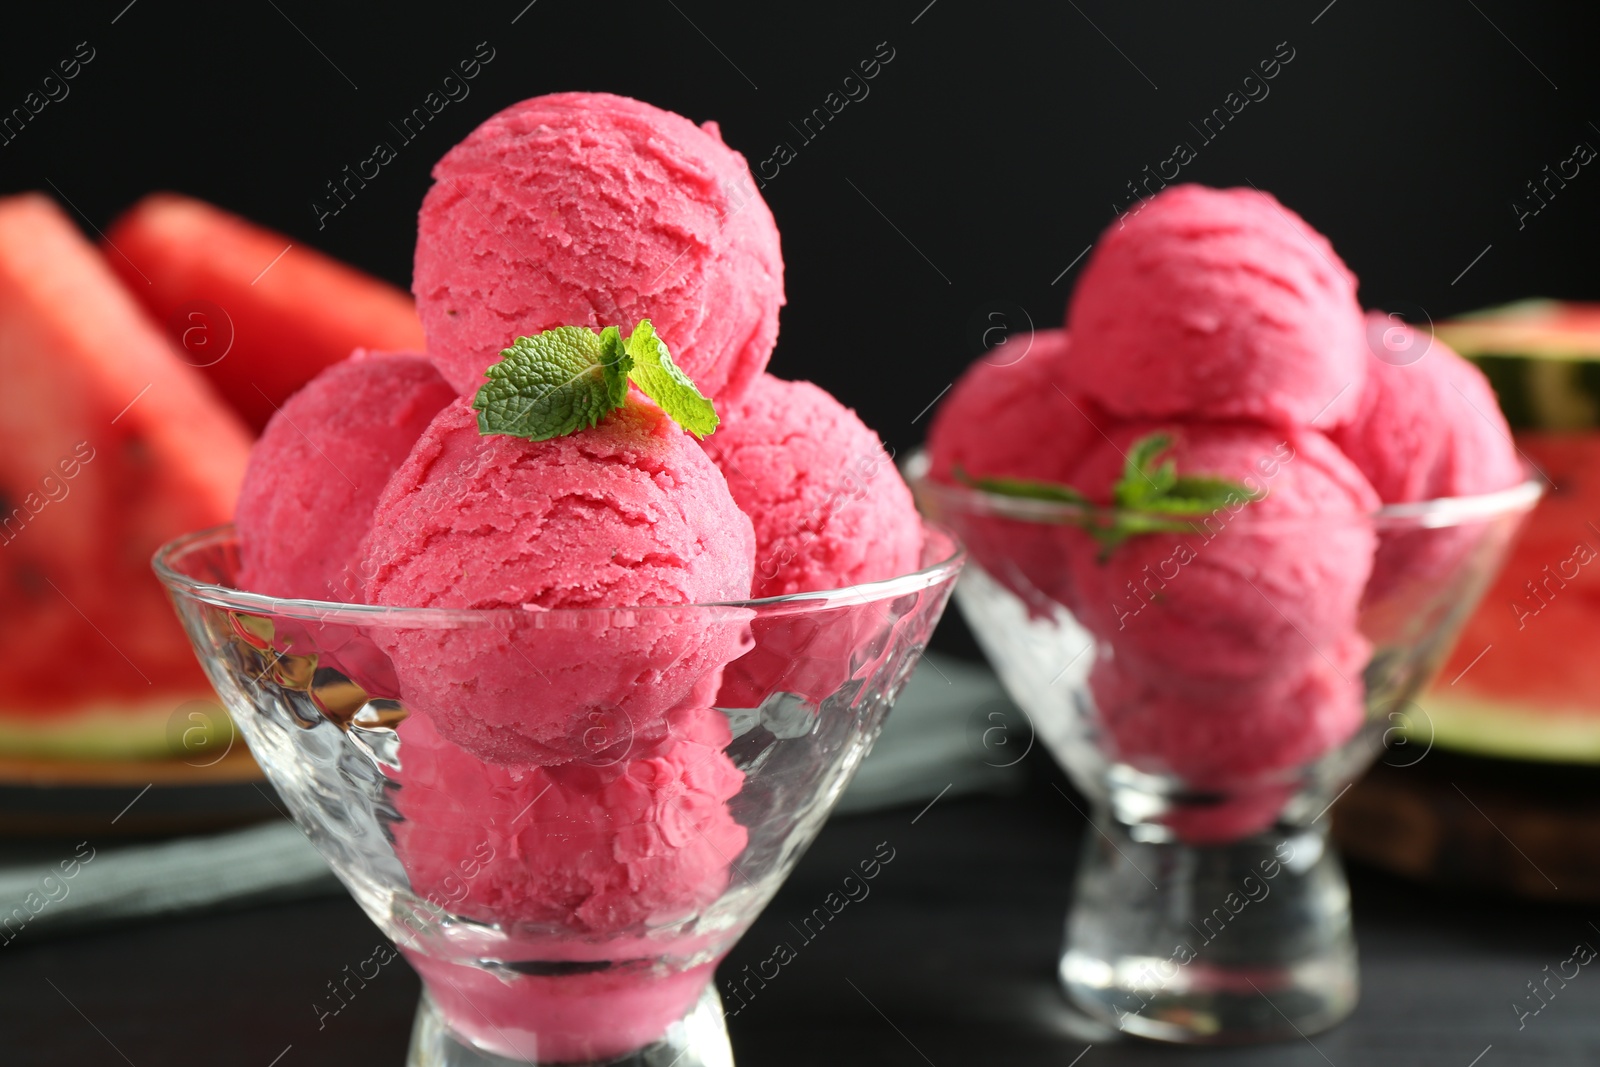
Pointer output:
x,y
568,378
1146,499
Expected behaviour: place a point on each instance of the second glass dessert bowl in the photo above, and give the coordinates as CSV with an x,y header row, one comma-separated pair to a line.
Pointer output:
x,y
1212,683
563,818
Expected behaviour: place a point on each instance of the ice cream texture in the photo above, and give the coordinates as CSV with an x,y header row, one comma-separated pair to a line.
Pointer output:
x,y
830,510
1428,424
1241,740
1217,732
630,842
1217,304
315,474
628,514
587,867
1234,597
588,209
828,506
1009,416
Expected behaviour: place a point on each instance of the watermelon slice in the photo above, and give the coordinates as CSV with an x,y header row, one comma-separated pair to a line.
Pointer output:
x,y
1551,329
109,445
1524,679
1542,356
259,313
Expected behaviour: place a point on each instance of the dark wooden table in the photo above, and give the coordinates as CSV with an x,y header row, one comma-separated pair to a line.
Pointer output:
x,y
949,961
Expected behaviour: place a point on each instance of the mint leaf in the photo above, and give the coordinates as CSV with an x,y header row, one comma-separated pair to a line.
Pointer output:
x,y
1149,498
1026,488
554,383
1141,482
1157,487
653,371
1204,492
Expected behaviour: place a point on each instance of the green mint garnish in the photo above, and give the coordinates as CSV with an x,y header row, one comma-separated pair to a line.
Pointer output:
x,y
569,378
1150,486
553,383
1025,488
1145,498
658,378
1143,480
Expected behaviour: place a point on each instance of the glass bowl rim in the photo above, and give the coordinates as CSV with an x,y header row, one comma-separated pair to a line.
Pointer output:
x,y
336,612
1423,514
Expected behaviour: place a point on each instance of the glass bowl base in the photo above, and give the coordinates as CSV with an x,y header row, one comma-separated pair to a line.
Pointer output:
x,y
1211,944
699,1039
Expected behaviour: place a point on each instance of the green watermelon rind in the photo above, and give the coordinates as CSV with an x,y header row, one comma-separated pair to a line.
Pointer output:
x,y
97,732
1508,730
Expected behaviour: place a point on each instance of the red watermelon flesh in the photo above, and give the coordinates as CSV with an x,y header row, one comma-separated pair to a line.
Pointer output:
x,y
1535,692
109,446
285,315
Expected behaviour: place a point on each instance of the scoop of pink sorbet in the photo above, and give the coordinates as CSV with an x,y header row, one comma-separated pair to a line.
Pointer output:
x,y
634,841
595,210
628,514
1227,734
1217,304
829,508
585,869
1428,424
1237,743
316,472
1254,590
1008,416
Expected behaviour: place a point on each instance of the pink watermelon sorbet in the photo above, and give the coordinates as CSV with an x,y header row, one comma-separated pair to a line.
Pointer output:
x,y
1217,304
828,505
591,867
1240,740
315,474
581,1017
830,510
1219,733
587,209
1231,653
1009,415
1259,589
628,842
627,514
1427,426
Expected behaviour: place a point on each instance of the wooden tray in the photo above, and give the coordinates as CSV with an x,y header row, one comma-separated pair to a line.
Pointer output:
x,y
1527,829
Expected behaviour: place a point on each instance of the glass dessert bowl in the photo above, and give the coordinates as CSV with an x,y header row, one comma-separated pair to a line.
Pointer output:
x,y
563,818
1212,683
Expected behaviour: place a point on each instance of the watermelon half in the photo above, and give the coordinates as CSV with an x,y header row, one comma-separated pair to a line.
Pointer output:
x,y
109,445
259,313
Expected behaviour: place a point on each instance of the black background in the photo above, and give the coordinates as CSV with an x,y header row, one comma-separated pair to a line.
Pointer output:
x,y
990,152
